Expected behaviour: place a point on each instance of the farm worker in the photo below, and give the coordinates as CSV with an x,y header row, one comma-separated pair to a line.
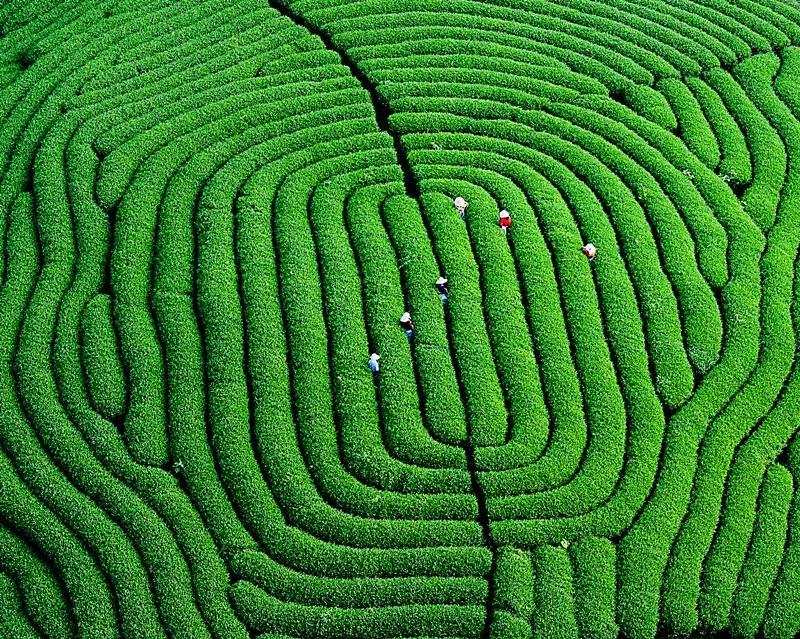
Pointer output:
x,y
590,250
505,221
441,286
373,362
461,206
407,324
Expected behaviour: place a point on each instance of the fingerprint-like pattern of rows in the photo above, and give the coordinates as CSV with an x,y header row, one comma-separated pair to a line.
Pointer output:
x,y
212,214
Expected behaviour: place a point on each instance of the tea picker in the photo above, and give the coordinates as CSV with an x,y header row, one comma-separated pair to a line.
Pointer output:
x,y
461,206
373,362
407,324
441,286
590,250
505,221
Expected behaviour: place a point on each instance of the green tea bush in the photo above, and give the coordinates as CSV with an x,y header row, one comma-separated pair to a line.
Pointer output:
x,y
554,608
41,593
780,618
211,214
697,132
765,553
594,570
396,281
104,374
513,579
14,623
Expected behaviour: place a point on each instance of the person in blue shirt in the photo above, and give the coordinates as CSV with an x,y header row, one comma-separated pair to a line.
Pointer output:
x,y
441,286
373,362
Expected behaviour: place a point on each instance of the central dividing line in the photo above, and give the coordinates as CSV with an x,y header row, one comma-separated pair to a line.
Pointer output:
x,y
379,106
483,520
382,115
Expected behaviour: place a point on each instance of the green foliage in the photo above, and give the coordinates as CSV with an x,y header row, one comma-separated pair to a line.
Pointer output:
x,y
695,129
508,626
40,592
513,582
765,553
212,213
594,569
651,105
14,623
554,609
104,373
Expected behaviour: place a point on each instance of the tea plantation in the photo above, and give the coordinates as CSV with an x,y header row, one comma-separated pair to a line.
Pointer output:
x,y
212,213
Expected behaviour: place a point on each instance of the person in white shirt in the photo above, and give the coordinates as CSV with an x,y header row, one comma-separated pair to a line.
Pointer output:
x,y
461,206
590,250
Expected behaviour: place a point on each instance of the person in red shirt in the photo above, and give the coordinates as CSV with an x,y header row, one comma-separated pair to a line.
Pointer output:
x,y
505,221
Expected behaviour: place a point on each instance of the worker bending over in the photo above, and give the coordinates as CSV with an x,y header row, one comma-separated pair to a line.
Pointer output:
x,y
373,362
407,324
461,206
505,221
441,286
